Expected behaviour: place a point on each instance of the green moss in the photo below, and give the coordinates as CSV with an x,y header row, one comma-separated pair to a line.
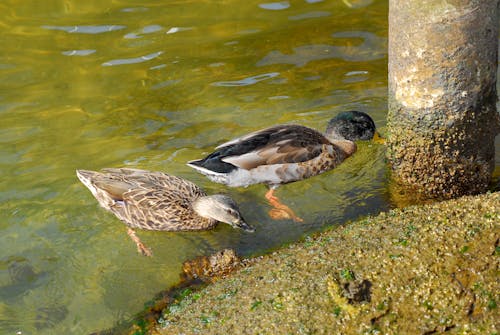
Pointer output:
x,y
428,305
402,242
309,242
142,325
492,304
277,305
409,230
382,305
255,305
184,293
205,319
227,294
347,274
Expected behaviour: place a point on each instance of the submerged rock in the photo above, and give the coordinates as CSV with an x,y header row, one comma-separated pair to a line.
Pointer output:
x,y
207,268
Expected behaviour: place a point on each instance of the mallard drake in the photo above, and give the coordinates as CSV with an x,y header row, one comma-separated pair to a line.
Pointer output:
x,y
285,153
158,201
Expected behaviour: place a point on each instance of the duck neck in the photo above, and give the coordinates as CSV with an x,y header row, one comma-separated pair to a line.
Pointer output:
x,y
201,206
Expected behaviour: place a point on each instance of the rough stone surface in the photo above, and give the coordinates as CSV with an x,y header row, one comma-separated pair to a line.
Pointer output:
x,y
208,268
422,270
442,118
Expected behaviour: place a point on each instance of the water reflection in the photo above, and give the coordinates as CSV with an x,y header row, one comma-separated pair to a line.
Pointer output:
x,y
308,15
134,9
356,76
134,60
146,30
174,30
275,5
86,29
357,3
372,47
78,52
247,81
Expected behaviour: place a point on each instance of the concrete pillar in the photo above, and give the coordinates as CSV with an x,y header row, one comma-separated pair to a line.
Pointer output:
x,y
442,95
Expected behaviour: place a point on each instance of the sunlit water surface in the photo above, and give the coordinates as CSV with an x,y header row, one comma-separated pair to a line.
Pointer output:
x,y
94,84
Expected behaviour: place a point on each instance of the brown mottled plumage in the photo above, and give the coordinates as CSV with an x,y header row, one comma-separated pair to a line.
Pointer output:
x,y
158,201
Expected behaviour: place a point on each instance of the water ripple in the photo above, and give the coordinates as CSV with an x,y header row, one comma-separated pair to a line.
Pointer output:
x,y
373,47
135,60
78,52
355,76
165,84
309,15
279,97
357,3
86,29
146,30
174,30
247,81
134,9
275,5
156,67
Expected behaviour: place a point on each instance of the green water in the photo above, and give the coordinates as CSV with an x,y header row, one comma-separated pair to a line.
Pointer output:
x,y
145,84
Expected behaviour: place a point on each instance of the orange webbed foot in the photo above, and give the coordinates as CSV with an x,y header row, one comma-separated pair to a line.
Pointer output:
x,y
280,211
141,248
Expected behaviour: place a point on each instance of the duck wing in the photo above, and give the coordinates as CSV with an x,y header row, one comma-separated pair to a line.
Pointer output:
x,y
275,145
154,209
145,199
124,179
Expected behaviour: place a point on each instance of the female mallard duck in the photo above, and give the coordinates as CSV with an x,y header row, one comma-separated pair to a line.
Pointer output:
x,y
284,154
158,201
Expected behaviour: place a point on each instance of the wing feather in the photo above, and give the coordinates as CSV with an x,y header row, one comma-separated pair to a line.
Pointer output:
x,y
276,145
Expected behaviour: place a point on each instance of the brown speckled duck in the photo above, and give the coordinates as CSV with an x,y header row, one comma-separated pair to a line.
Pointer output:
x,y
158,201
285,153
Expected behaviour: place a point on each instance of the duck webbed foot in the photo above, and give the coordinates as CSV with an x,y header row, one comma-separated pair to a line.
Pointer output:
x,y
280,211
141,248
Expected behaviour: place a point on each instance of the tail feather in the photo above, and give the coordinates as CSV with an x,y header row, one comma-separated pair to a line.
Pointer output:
x,y
197,165
214,176
86,177
212,164
195,162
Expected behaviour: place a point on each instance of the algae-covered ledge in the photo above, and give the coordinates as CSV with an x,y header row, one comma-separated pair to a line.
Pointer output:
x,y
421,270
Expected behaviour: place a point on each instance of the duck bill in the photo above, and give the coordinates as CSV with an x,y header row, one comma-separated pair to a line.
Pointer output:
x,y
245,226
377,138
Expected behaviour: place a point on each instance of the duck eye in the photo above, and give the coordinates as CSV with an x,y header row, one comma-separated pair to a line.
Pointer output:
x,y
230,211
